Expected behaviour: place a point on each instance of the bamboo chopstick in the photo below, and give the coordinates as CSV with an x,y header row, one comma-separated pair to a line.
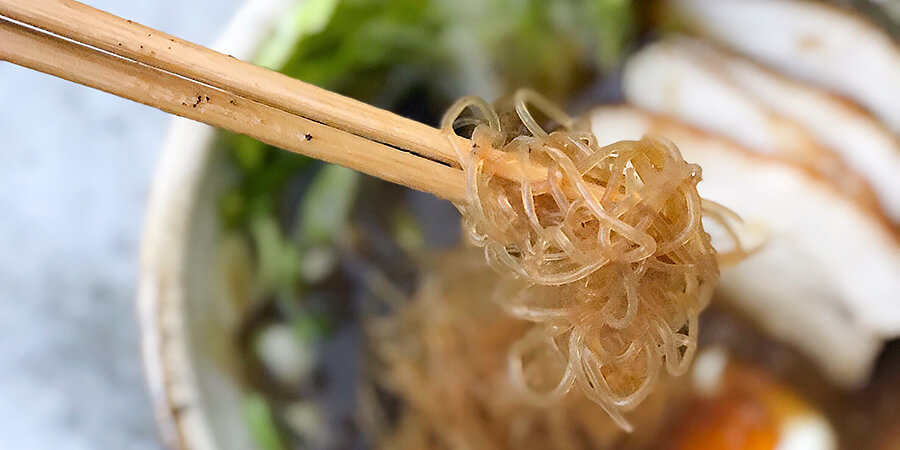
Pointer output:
x,y
387,144
126,38
53,55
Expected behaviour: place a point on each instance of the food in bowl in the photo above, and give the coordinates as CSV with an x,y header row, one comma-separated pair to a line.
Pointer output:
x,y
327,249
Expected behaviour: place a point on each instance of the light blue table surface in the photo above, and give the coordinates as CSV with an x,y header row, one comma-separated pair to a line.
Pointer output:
x,y
75,170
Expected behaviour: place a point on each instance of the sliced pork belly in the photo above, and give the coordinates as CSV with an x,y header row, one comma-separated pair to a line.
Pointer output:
x,y
732,96
827,279
809,40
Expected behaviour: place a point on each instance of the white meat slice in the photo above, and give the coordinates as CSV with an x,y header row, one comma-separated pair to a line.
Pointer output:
x,y
827,279
732,96
809,40
668,78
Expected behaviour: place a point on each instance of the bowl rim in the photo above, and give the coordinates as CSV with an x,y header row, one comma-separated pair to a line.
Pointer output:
x,y
183,163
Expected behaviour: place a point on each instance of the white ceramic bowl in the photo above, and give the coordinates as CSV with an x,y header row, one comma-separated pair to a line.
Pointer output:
x,y
186,318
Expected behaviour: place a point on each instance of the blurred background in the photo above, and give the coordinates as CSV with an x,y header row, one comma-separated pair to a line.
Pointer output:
x,y
75,170
270,273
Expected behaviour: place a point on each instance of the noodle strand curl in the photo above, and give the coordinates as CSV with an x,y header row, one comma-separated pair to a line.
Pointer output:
x,y
605,250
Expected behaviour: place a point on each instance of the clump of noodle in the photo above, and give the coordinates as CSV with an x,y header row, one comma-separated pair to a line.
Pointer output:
x,y
606,250
443,356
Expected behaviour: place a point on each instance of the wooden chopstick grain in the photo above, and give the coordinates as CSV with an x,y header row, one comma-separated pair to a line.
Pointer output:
x,y
154,49
126,38
183,97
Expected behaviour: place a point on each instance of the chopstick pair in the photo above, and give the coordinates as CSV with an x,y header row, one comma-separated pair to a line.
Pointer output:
x,y
81,44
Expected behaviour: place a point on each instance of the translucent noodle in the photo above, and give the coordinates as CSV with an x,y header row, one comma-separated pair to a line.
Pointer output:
x,y
443,359
604,248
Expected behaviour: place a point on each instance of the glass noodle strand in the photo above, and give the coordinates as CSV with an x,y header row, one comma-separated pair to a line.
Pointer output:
x,y
605,250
